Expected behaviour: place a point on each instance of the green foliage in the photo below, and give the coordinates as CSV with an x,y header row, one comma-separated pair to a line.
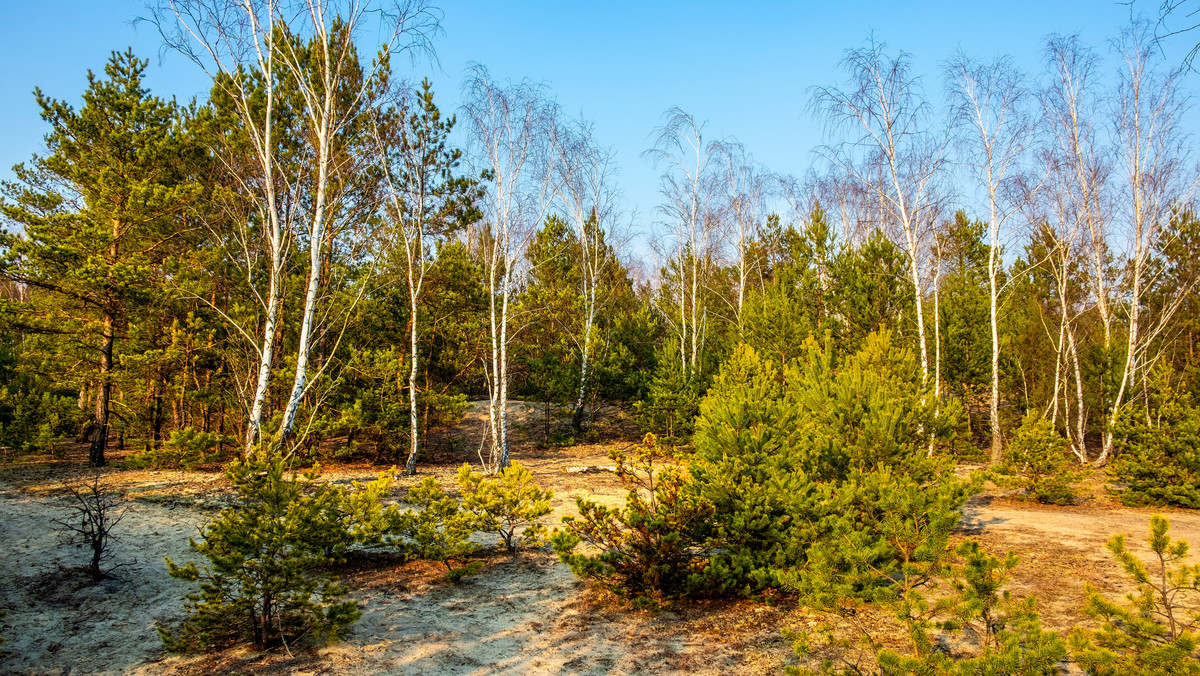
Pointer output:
x,y
1008,639
775,324
1038,457
649,550
354,517
506,501
824,465
265,579
94,220
186,449
438,529
1158,460
36,423
672,399
1155,632
964,314
869,290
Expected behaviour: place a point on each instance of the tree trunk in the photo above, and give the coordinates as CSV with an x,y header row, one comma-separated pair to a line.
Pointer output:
x,y
997,440
410,467
577,417
103,393
316,258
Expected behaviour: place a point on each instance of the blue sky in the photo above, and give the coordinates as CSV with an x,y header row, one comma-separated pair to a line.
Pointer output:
x,y
745,68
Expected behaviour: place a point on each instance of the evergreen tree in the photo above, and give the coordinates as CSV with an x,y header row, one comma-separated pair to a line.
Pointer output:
x,y
97,215
264,581
963,315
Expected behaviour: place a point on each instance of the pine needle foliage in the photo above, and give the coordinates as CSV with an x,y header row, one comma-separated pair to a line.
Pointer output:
x,y
958,595
1038,457
505,502
650,549
265,581
1158,456
438,529
822,465
1155,631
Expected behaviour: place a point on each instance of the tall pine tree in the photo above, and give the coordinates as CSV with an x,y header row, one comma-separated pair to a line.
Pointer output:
x,y
91,222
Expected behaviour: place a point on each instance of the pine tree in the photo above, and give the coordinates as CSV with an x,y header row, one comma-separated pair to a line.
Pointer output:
x,y
264,580
98,213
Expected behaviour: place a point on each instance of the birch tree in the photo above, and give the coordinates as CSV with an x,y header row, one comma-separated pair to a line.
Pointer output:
x,y
989,101
1062,259
882,115
588,196
743,191
426,201
508,133
1081,170
1150,155
259,53
687,188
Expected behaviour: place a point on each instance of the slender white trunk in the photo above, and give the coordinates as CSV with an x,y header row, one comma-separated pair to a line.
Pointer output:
x,y
410,467
1080,411
275,245
1059,346
503,460
917,296
315,259
1130,367
254,427
494,396
994,298
585,351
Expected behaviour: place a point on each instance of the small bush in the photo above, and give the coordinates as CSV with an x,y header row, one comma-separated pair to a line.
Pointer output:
x,y
1008,636
37,422
505,502
89,521
185,450
1155,632
439,529
671,402
1038,457
265,579
825,458
1158,461
649,549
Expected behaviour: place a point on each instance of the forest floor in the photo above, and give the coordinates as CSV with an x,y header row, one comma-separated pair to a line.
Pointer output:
x,y
523,614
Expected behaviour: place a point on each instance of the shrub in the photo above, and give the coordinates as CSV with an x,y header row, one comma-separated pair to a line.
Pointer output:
x,y
264,581
439,529
1158,460
184,450
669,407
36,423
649,549
1038,457
1007,632
505,502
820,452
351,517
90,518
1156,632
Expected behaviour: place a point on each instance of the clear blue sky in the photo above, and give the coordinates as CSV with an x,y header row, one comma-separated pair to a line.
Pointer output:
x,y
745,67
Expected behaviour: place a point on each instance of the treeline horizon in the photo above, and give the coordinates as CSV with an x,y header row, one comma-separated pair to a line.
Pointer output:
x,y
305,255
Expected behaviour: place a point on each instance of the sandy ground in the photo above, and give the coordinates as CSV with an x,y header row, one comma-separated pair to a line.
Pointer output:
x,y
522,615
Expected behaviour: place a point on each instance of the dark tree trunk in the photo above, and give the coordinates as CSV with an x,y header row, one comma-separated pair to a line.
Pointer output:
x,y
103,393
157,416
577,418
